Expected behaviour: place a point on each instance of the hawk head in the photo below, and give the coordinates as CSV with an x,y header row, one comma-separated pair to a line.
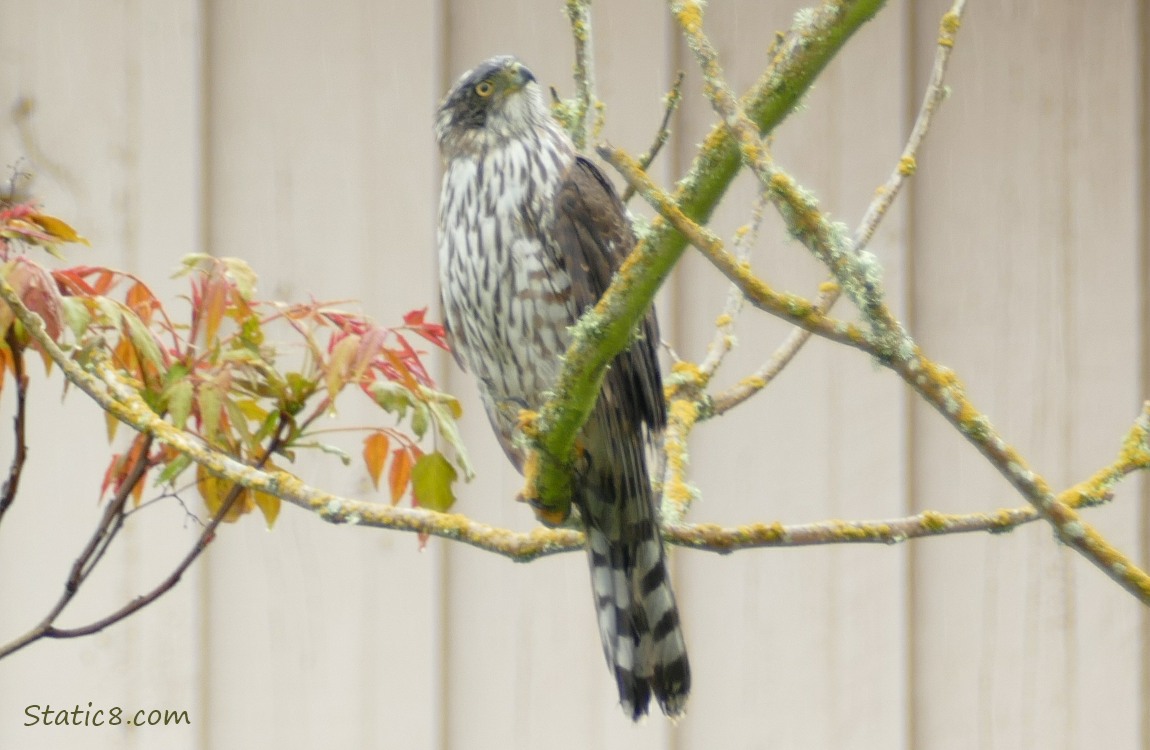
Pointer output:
x,y
496,101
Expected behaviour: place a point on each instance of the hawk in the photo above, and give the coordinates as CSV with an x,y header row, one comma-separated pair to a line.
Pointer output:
x,y
530,234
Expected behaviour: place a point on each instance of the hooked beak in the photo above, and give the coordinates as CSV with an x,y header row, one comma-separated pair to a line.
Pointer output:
x,y
518,76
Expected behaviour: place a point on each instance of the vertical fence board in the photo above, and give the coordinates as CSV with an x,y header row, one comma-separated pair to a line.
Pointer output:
x,y
321,168
1025,251
110,138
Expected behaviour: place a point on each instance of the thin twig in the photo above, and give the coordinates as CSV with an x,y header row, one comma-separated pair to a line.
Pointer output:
x,y
876,211
579,14
724,337
908,161
207,536
82,566
671,103
686,385
779,359
117,514
20,452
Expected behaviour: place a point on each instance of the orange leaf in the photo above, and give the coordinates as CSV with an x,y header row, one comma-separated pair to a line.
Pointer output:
x,y
402,370
214,305
109,474
134,455
140,300
124,355
400,475
375,447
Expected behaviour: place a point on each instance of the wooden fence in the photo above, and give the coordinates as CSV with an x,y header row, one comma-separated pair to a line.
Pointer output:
x,y
297,135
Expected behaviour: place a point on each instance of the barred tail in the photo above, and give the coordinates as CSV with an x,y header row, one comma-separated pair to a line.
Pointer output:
x,y
638,619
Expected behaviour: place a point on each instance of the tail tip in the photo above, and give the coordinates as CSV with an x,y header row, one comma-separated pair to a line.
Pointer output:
x,y
673,702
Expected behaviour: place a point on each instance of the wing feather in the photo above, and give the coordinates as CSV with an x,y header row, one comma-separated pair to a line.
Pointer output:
x,y
594,236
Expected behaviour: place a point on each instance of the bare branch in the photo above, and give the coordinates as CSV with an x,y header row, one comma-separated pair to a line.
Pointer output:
x,y
723,340
876,211
82,566
779,359
826,240
20,451
671,102
908,161
579,14
118,397
207,536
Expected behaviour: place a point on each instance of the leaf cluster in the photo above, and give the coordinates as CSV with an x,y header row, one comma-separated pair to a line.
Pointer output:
x,y
215,372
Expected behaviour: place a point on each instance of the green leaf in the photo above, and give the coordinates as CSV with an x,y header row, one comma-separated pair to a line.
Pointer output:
x,y
176,373
445,414
147,351
241,275
211,408
271,421
76,315
300,389
419,420
179,397
239,422
338,365
191,262
431,480
110,310
391,397
174,469
252,332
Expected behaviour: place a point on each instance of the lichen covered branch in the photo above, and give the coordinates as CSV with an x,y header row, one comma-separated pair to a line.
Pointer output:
x,y
586,101
883,199
120,398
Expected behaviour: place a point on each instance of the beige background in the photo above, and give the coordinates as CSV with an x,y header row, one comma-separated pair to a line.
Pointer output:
x,y
298,136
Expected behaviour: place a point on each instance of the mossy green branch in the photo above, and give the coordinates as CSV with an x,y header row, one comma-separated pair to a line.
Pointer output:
x,y
607,329
817,35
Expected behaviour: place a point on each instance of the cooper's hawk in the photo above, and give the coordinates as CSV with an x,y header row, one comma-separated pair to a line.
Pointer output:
x,y
530,234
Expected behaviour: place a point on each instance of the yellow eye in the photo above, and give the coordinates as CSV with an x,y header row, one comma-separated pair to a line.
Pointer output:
x,y
484,88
